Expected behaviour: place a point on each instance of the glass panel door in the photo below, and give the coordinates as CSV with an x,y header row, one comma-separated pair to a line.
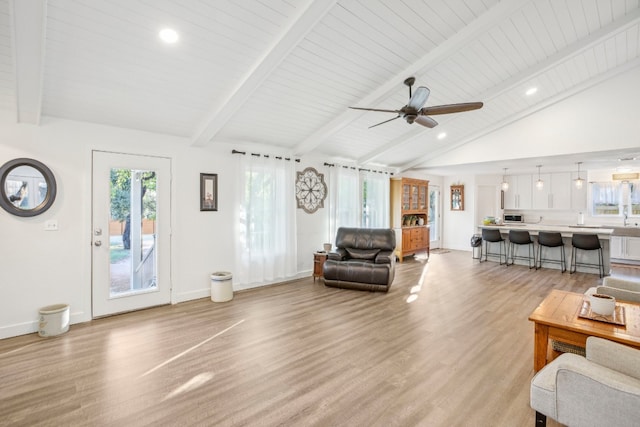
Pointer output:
x,y
130,268
132,237
434,216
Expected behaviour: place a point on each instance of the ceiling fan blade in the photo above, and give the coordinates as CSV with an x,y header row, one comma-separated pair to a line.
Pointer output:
x,y
426,121
419,98
376,109
451,108
386,121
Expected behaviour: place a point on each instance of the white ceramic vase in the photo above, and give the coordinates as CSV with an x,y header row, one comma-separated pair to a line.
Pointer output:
x,y
602,304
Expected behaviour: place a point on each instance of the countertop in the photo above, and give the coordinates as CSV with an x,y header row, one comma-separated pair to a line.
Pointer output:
x,y
566,230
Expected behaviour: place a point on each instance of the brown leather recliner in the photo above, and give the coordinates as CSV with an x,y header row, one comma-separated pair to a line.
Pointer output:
x,y
364,259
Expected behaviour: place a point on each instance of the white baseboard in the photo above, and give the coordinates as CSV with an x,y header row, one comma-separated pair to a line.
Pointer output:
x,y
206,292
31,327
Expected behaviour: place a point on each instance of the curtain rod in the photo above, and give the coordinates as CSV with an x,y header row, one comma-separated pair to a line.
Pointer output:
x,y
360,169
264,155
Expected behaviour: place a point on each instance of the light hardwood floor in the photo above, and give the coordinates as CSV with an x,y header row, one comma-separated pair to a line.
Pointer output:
x,y
449,345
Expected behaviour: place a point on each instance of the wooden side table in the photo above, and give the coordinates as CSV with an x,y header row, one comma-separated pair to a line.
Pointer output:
x,y
318,263
557,318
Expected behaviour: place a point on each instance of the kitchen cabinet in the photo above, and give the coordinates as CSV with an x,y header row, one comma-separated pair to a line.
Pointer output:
x,y
409,215
579,195
615,247
625,248
518,196
555,194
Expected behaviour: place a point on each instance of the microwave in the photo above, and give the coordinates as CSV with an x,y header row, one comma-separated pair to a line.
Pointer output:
x,y
513,218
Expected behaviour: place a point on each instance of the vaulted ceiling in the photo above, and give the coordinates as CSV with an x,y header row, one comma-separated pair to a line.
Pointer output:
x,y
284,72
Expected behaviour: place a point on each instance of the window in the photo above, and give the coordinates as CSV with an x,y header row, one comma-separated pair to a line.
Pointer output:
x,y
634,196
344,199
375,199
357,199
616,198
266,227
606,198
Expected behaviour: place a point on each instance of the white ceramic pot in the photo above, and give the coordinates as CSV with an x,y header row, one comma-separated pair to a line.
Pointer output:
x,y
602,304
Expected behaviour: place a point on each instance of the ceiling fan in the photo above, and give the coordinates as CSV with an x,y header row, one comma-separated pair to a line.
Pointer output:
x,y
414,111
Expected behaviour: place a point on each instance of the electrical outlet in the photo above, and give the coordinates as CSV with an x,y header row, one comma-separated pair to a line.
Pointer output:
x,y
51,225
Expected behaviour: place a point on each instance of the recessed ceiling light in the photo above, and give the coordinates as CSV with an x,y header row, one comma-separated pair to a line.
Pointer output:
x,y
168,35
442,135
626,159
531,91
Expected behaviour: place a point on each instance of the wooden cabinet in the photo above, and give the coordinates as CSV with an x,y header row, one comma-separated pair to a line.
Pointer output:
x,y
415,239
318,264
409,209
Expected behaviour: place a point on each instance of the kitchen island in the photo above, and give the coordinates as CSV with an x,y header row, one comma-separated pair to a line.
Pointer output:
x,y
567,232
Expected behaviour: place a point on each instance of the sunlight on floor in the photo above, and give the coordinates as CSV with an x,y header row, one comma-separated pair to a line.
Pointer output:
x,y
166,362
192,384
415,290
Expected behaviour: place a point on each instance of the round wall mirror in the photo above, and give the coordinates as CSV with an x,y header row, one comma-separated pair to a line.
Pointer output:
x,y
27,187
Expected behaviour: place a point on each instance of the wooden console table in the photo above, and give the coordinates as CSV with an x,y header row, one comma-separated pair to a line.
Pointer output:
x,y
557,318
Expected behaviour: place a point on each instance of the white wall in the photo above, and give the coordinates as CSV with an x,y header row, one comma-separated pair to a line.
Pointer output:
x,y
40,267
601,118
458,226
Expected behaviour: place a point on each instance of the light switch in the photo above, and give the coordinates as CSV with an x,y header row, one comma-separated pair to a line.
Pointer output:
x,y
51,225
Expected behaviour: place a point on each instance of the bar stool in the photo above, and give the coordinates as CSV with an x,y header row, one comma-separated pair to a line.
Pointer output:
x,y
493,236
586,242
551,240
521,237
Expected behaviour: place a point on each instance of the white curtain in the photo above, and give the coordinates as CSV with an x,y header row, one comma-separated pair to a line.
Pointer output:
x,y
266,221
376,193
344,199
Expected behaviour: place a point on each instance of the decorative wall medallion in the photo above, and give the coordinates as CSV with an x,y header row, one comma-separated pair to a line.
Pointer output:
x,y
310,190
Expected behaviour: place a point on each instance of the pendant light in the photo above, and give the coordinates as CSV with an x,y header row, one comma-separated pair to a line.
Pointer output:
x,y
579,181
505,184
539,182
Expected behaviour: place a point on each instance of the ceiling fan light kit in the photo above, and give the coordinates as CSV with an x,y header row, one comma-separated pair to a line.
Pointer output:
x,y
415,111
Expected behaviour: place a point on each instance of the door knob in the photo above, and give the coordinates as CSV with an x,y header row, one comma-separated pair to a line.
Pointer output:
x,y
98,243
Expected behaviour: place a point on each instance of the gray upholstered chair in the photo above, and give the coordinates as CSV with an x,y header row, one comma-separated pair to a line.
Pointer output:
x,y
601,389
623,289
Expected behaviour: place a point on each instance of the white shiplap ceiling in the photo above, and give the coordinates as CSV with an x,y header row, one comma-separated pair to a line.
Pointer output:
x,y
284,72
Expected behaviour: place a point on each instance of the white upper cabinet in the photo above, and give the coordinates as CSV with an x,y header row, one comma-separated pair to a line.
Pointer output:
x,y
518,196
556,192
541,198
579,195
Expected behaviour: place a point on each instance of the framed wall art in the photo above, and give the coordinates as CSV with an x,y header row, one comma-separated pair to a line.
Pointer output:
x,y
208,192
457,197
